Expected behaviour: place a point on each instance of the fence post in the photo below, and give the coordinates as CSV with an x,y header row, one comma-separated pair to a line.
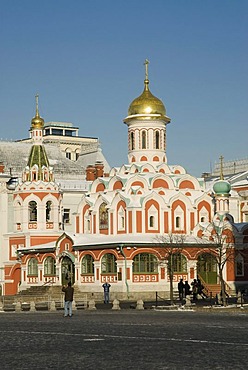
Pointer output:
x,y
1,305
32,306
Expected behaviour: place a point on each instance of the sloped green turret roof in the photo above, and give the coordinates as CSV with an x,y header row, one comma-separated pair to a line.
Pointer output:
x,y
38,157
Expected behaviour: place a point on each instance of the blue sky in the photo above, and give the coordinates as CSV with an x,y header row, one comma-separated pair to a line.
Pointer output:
x,y
85,59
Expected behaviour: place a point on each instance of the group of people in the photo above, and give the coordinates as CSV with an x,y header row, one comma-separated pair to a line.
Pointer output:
x,y
69,292
184,289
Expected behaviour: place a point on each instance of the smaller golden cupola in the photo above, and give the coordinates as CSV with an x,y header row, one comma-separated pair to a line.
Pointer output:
x,y
147,106
37,122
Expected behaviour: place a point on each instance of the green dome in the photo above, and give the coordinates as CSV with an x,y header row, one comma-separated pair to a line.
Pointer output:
x,y
222,187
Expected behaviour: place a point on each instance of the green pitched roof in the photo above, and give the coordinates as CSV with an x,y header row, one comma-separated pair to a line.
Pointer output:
x,y
38,157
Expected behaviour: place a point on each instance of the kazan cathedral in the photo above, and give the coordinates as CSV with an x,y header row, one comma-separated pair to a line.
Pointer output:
x,y
127,221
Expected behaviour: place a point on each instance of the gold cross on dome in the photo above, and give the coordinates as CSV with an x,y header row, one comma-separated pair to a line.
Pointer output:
x,y
146,67
221,167
37,103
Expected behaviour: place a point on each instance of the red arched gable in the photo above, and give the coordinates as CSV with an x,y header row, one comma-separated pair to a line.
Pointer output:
x,y
100,187
156,159
160,183
138,183
117,185
186,184
120,204
205,205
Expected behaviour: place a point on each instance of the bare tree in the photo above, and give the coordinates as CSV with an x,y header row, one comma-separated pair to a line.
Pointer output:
x,y
172,245
220,235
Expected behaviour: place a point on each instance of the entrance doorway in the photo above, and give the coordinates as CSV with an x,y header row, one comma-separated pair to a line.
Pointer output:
x,y
67,271
207,268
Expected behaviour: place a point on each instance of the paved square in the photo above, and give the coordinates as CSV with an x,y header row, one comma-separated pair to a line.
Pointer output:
x,y
126,339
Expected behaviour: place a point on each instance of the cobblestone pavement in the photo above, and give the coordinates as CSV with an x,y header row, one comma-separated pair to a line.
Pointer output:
x,y
126,339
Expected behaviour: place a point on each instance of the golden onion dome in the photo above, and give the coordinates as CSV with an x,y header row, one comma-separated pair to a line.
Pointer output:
x,y
37,122
147,106
147,103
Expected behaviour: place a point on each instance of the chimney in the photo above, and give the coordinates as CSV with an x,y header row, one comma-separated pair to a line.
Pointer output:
x,y
99,169
2,167
90,173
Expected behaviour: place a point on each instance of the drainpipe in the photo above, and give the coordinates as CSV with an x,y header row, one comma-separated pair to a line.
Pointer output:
x,y
120,248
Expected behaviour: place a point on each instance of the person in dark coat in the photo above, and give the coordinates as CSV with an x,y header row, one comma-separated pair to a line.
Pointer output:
x,y
69,291
194,285
200,288
106,287
187,288
180,286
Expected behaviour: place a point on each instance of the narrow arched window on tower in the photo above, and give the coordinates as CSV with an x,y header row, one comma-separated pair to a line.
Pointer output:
x,y
32,211
132,140
48,210
143,140
157,137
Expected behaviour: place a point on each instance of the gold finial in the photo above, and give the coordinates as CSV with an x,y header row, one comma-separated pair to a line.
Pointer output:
x,y
221,167
37,121
146,75
146,68
37,104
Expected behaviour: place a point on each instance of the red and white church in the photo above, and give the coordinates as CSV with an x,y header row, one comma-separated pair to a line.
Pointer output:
x,y
121,219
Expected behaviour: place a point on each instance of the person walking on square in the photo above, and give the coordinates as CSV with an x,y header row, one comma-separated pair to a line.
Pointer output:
x,y
69,291
106,287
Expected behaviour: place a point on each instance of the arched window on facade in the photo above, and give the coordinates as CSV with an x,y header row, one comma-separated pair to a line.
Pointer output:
x,y
239,265
152,217
49,266
48,211
151,221
68,153
145,263
108,265
103,216
157,139
18,213
178,222
77,153
87,264
121,218
32,207
33,267
132,140
45,174
34,173
87,221
179,263
143,139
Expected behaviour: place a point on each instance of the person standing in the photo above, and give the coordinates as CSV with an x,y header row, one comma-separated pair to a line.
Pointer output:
x,y
69,291
194,289
180,286
187,288
106,287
